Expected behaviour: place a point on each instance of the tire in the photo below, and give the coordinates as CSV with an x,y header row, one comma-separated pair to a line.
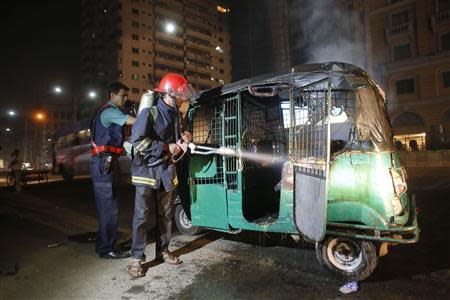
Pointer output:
x,y
183,223
10,180
349,258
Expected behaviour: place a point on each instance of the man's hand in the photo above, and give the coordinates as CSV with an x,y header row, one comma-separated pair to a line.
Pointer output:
x,y
174,149
187,137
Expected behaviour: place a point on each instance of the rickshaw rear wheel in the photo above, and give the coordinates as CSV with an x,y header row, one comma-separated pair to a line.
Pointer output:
x,y
10,180
346,257
183,223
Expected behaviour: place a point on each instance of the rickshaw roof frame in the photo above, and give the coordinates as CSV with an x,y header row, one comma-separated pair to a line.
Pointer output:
x,y
301,76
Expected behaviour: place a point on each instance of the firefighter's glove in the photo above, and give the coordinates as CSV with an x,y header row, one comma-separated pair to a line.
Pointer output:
x,y
143,145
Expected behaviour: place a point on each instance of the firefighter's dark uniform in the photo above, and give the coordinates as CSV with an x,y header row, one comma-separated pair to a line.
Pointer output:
x,y
106,148
153,174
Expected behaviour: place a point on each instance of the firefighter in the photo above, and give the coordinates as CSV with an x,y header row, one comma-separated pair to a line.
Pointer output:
x,y
108,135
154,137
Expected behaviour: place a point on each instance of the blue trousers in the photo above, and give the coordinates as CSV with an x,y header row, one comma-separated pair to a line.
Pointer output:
x,y
106,197
143,203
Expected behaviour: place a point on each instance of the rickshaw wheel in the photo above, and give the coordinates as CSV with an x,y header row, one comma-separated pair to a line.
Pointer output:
x,y
349,258
183,223
10,180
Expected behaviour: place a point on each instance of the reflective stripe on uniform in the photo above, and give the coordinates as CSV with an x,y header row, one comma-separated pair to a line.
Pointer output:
x,y
175,181
143,180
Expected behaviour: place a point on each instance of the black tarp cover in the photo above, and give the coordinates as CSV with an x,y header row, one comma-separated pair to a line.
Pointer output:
x,y
371,119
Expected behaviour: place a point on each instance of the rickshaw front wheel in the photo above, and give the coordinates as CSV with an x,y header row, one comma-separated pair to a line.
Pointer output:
x,y
348,258
183,223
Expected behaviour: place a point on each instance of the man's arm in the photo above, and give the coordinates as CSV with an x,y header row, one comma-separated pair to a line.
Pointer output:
x,y
131,120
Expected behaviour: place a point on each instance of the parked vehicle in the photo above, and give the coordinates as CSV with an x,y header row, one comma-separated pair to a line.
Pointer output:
x,y
308,153
72,152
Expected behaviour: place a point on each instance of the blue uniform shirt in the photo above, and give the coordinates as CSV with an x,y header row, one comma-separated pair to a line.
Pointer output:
x,y
113,115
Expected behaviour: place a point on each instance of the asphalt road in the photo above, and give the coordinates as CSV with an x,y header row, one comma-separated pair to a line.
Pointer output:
x,y
47,252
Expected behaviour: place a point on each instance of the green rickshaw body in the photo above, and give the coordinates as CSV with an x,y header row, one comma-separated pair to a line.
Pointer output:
x,y
366,193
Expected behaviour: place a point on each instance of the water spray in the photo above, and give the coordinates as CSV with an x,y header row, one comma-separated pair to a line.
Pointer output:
x,y
205,150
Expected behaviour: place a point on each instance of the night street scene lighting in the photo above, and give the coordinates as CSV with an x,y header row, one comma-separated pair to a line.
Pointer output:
x,y
170,27
319,163
57,90
92,94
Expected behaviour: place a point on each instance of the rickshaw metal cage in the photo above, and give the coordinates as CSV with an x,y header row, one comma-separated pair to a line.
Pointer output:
x,y
308,117
217,126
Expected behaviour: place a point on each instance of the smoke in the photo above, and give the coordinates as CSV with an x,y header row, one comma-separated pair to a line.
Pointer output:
x,y
329,30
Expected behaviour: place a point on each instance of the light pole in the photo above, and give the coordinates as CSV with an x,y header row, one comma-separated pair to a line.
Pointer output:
x,y
91,94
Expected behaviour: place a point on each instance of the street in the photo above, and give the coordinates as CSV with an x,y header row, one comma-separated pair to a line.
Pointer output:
x,y
47,252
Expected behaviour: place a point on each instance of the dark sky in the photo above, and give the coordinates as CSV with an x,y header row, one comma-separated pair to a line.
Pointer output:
x,y
40,45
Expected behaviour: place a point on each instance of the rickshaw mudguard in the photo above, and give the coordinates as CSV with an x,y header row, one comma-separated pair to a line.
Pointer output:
x,y
310,203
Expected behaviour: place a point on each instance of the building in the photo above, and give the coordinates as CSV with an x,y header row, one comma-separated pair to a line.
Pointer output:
x,y
260,37
138,42
409,51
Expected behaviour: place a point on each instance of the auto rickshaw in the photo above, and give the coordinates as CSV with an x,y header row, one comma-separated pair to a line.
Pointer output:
x,y
307,152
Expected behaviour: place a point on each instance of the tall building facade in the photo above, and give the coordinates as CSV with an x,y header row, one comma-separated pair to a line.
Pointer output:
x,y
260,37
409,50
139,41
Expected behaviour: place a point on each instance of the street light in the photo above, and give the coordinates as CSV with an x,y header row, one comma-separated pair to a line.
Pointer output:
x,y
57,89
40,116
92,94
170,27
11,113
8,129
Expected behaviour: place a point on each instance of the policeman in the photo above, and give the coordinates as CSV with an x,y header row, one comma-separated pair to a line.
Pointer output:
x,y
108,135
154,137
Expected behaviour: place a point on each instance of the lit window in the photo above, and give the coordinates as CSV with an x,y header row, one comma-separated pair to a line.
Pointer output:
x,y
221,81
222,9
405,86
219,49
135,77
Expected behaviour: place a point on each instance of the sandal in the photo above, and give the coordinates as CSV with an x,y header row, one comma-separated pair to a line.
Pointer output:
x,y
169,258
135,269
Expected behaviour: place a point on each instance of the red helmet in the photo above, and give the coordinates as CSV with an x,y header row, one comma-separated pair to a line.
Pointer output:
x,y
175,85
